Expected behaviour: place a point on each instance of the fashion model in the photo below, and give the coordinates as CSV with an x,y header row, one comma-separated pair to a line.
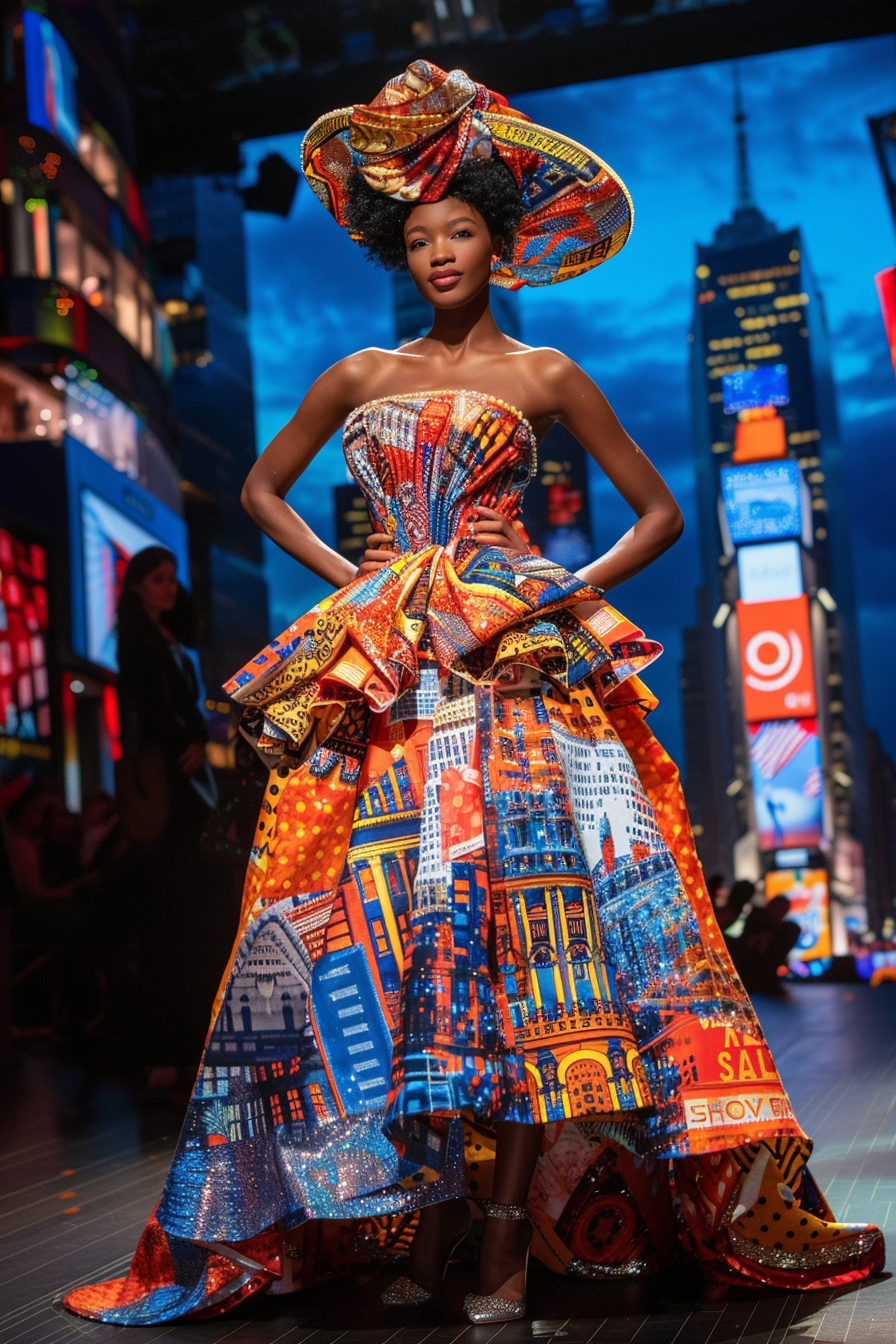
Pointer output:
x,y
476,953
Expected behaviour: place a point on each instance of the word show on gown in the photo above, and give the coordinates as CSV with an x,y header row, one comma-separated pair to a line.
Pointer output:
x,y
473,896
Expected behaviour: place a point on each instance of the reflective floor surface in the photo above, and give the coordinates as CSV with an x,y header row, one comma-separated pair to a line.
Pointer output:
x,y
82,1159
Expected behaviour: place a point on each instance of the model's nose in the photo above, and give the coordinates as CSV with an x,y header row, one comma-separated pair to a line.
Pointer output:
x,y
442,252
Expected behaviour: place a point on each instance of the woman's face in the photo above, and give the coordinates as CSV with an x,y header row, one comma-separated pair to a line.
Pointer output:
x,y
449,251
158,590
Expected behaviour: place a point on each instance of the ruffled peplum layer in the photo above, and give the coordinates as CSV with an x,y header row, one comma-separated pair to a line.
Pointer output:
x,y
479,611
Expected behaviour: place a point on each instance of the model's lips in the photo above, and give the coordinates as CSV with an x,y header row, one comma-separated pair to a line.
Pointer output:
x,y
445,279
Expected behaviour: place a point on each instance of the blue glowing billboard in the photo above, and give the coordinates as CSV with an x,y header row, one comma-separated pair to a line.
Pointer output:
x,y
749,389
762,501
51,79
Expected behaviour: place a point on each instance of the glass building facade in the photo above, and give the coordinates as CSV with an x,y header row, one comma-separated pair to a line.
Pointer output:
x,y
88,455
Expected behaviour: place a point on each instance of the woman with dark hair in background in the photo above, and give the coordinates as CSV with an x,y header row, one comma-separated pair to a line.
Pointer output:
x,y
157,684
474,914
165,791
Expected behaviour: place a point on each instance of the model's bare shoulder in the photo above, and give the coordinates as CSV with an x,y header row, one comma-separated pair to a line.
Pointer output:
x,y
551,366
554,378
355,378
349,382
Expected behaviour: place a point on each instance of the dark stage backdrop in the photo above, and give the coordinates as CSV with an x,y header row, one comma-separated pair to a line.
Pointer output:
x,y
314,298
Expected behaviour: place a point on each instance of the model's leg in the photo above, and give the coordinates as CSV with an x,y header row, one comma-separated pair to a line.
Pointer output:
x,y
440,1228
505,1241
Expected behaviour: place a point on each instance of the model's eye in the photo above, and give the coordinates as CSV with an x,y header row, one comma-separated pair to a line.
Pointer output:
x,y
416,244
462,233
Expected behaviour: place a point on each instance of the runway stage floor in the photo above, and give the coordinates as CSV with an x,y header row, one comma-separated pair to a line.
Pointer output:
x,y
81,1166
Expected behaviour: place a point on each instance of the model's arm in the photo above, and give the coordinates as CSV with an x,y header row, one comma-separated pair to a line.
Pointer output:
x,y
333,397
579,404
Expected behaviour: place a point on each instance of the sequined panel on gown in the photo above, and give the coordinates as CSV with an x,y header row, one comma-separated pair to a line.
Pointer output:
x,y
473,896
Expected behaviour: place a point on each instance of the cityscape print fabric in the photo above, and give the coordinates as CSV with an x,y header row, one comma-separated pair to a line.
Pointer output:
x,y
473,896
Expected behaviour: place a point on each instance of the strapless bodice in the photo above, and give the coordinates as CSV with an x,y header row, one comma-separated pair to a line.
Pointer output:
x,y
424,460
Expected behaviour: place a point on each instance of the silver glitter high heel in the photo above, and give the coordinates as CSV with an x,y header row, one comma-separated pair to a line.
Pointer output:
x,y
404,1292
489,1308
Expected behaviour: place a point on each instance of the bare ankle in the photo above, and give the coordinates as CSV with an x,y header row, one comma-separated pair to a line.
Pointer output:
x,y
504,1257
439,1229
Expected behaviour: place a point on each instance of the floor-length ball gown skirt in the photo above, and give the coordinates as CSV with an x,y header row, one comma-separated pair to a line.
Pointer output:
x,y
473,896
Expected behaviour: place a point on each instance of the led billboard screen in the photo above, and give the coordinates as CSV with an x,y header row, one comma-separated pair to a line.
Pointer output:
x,y
108,539
751,388
777,668
877,964
785,762
51,79
762,502
761,438
111,518
807,891
885,281
769,573
24,622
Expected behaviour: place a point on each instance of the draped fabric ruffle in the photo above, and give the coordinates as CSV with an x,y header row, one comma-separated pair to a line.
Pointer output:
x,y
481,611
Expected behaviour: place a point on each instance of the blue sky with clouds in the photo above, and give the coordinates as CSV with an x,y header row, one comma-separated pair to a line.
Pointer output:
x,y
314,298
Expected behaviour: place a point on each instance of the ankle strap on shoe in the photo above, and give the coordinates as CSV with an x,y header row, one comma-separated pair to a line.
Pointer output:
x,y
511,1212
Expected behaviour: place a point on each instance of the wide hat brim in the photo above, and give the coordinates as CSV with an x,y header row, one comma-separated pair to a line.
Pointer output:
x,y
577,211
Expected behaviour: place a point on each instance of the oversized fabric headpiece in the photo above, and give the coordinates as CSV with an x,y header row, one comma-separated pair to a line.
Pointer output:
x,y
410,140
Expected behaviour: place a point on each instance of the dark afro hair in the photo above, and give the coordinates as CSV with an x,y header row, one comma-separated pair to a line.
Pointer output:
x,y
378,220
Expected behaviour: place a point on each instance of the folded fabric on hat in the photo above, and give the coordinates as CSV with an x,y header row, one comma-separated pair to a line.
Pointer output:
x,y
410,140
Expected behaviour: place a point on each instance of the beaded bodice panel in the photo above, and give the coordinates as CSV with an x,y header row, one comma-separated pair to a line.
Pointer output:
x,y
425,459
